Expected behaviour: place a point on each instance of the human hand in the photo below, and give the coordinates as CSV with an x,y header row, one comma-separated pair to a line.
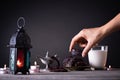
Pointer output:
x,y
87,38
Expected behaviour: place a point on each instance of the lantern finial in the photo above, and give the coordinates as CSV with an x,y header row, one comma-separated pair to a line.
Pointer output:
x,y
21,22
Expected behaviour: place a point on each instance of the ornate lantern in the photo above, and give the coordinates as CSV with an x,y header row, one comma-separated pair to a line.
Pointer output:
x,y
20,44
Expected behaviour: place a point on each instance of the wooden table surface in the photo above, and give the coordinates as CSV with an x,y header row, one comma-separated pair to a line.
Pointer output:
x,y
72,75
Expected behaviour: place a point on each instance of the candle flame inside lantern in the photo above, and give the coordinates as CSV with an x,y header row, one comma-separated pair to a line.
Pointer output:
x,y
19,63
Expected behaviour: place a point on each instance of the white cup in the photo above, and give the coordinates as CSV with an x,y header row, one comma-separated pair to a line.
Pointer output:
x,y
97,57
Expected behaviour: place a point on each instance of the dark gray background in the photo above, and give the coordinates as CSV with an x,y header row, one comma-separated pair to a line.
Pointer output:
x,y
52,24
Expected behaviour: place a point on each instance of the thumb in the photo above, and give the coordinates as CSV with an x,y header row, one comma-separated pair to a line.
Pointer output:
x,y
86,49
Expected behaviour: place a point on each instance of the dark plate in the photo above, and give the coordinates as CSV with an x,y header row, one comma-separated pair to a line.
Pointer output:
x,y
78,68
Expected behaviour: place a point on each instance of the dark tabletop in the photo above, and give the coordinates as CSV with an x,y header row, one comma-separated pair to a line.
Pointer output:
x,y
72,75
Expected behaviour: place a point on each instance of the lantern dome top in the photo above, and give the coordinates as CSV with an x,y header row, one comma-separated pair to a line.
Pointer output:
x,y
20,38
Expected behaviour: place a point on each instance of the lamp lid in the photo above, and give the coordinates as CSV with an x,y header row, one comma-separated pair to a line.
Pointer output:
x,y
20,38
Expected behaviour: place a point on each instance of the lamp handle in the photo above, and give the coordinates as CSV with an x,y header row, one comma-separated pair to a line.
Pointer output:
x,y
21,22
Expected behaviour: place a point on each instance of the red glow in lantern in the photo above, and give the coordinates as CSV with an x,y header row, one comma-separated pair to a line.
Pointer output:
x,y
20,60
